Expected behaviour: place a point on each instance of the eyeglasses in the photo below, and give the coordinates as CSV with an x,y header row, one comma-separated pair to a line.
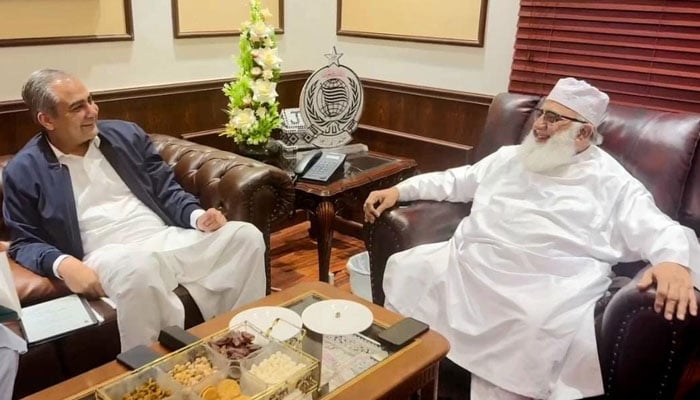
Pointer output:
x,y
551,117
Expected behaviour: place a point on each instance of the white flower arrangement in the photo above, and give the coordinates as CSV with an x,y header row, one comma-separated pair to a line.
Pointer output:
x,y
253,106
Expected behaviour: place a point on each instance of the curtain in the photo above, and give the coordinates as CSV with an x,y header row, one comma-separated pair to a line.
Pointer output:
x,y
642,53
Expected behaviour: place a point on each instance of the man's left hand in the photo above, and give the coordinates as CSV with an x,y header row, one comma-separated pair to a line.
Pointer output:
x,y
674,289
211,220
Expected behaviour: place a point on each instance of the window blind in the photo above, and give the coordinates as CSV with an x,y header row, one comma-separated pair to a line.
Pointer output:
x,y
641,52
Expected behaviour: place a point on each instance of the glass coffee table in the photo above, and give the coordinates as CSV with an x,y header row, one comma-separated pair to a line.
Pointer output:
x,y
343,357
363,368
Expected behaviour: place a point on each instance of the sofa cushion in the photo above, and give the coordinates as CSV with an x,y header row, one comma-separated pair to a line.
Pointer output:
x,y
689,214
509,119
656,147
33,288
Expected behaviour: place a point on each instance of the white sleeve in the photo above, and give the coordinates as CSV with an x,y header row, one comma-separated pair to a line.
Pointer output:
x,y
455,185
649,234
56,263
194,216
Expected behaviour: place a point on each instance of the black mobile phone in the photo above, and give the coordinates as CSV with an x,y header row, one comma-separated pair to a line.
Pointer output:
x,y
403,332
137,357
174,338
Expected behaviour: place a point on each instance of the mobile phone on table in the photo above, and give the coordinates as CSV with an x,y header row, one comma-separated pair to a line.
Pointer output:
x,y
402,332
137,357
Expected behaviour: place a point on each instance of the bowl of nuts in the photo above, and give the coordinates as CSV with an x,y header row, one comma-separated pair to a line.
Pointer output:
x,y
151,384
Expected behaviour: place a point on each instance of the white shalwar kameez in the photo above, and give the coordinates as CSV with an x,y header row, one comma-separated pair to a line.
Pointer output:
x,y
514,289
140,260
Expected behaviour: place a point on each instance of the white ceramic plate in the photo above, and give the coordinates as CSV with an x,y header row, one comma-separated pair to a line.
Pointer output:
x,y
337,317
264,317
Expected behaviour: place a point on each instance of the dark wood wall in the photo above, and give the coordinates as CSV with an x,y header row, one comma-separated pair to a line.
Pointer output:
x,y
435,127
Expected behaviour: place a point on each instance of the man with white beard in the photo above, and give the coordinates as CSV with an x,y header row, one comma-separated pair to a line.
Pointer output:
x,y
514,289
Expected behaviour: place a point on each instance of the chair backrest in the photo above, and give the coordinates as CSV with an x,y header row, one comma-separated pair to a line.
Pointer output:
x,y
657,147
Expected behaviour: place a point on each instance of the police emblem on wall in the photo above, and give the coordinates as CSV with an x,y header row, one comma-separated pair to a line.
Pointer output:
x,y
331,103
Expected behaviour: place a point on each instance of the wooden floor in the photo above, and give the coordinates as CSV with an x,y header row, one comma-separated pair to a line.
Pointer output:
x,y
293,257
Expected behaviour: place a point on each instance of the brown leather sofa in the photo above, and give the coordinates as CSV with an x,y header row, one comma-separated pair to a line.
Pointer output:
x,y
642,355
242,188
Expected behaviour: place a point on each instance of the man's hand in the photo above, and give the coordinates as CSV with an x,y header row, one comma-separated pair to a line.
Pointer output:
x,y
211,220
378,201
674,289
80,278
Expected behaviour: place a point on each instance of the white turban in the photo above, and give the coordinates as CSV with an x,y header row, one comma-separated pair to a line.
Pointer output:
x,y
586,100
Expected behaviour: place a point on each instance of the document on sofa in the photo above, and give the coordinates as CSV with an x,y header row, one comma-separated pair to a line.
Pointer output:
x,y
56,317
10,308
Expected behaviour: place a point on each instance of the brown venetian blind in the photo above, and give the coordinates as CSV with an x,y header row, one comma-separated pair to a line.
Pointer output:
x,y
643,53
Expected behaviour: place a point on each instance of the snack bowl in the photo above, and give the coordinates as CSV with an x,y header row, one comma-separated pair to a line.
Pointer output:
x,y
282,368
130,387
229,388
195,367
237,342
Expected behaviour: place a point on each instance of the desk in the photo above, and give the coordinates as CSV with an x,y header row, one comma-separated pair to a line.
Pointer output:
x,y
363,173
412,369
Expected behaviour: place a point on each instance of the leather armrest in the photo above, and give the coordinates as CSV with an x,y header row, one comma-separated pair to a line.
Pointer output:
x,y
242,188
32,288
407,226
640,351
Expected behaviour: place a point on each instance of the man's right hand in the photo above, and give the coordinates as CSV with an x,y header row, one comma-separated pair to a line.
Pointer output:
x,y
80,278
378,201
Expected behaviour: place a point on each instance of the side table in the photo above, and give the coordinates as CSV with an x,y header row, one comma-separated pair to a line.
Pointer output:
x,y
363,172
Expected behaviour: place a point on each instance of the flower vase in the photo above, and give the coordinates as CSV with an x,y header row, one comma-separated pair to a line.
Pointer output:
x,y
258,151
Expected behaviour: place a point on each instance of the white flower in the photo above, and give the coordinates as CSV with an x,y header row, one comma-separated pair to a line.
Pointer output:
x,y
260,30
267,58
243,120
264,91
253,93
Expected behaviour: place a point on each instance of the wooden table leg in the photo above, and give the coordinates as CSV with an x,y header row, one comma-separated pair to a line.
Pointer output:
x,y
430,389
325,213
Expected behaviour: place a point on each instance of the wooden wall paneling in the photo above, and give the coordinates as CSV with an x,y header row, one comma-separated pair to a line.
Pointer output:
x,y
16,127
430,154
173,109
435,127
452,116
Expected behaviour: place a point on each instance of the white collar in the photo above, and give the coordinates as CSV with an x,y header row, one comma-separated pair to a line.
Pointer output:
x,y
59,154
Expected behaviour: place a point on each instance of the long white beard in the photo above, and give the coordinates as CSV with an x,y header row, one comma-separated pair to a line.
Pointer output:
x,y
558,150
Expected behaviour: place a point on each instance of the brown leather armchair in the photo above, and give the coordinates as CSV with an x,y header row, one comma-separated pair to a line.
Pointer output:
x,y
642,355
242,188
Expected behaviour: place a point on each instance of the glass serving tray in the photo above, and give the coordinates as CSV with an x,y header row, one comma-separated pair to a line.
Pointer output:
x,y
342,357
